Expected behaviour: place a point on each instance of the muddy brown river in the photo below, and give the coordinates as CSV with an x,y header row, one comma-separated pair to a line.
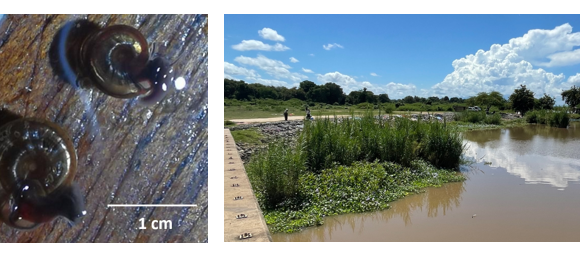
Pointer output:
x,y
524,186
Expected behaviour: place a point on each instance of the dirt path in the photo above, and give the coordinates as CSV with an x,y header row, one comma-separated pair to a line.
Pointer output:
x,y
293,118
271,119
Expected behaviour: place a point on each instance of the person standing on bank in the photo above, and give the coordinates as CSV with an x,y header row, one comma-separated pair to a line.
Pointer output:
x,y
307,113
286,115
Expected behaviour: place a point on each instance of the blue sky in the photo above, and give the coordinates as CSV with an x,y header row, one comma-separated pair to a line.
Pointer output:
x,y
424,55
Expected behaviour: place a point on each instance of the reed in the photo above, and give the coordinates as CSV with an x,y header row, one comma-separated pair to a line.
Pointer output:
x,y
554,118
275,174
478,117
343,141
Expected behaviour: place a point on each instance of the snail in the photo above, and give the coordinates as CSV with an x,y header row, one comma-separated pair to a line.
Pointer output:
x,y
116,59
37,169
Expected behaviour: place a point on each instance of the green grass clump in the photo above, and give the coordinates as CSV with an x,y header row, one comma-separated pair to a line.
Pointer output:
x,y
229,123
361,187
559,119
251,136
493,119
274,174
478,117
553,118
330,141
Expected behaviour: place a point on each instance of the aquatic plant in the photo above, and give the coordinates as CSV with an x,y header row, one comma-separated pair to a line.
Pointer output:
x,y
554,118
478,117
274,174
361,187
344,141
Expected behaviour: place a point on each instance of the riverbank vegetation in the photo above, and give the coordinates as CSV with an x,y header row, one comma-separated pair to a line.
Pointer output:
x,y
352,165
559,119
479,117
250,136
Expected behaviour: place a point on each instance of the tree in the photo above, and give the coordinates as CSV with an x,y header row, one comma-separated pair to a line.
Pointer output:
x,y
298,93
307,85
489,99
409,100
522,99
383,98
363,95
546,102
335,93
572,97
445,99
433,99
354,97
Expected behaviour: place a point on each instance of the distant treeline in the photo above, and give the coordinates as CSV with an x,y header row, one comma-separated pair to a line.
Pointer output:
x,y
329,93
521,100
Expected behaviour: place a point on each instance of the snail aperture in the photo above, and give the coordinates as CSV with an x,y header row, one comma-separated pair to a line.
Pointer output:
x,y
114,59
37,168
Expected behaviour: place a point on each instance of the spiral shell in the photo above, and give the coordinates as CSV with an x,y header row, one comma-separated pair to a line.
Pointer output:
x,y
37,165
115,58
37,150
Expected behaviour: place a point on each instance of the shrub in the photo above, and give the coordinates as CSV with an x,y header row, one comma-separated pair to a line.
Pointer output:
x,y
275,173
493,119
556,118
329,142
559,119
389,108
532,117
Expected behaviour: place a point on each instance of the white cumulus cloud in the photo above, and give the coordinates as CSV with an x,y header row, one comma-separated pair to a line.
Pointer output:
x,y
374,74
231,70
504,67
293,60
330,46
274,68
249,45
234,72
307,70
270,34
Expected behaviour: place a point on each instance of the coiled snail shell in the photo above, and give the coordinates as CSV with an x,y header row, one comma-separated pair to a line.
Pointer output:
x,y
37,169
115,59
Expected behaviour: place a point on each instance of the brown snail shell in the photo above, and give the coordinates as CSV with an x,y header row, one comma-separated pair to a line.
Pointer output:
x,y
115,59
37,169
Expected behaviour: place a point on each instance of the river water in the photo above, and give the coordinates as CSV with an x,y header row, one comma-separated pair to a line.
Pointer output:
x,y
524,186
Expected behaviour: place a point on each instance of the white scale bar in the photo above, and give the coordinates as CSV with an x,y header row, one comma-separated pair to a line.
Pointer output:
x,y
152,205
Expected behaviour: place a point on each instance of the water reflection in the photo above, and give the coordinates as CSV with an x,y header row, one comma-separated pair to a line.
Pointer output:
x,y
536,153
435,202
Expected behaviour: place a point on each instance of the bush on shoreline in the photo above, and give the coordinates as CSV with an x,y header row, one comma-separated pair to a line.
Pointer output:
x,y
559,119
477,117
330,141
